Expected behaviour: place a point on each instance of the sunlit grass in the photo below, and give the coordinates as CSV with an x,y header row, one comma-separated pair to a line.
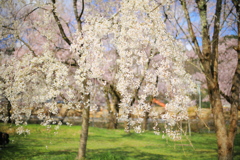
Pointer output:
x,y
106,144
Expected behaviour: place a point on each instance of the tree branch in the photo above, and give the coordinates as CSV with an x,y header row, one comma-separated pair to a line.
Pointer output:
x,y
10,28
78,17
59,24
25,16
190,28
202,7
215,39
184,32
226,16
27,45
228,98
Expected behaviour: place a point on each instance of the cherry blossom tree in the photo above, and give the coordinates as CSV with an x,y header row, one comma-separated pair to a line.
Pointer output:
x,y
146,52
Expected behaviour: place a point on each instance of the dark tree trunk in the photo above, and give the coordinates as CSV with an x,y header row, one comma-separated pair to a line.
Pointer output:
x,y
84,133
9,110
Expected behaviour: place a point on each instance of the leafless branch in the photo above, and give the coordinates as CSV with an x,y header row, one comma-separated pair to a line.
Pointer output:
x,y
27,45
187,37
78,17
228,98
215,38
190,28
66,39
156,7
25,16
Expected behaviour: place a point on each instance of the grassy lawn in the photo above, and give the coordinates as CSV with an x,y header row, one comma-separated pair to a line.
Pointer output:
x,y
106,144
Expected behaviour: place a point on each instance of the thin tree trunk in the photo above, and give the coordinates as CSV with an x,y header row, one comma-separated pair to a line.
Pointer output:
x,y
127,127
9,108
84,134
145,121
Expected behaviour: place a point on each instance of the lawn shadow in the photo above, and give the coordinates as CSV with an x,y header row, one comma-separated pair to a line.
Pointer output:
x,y
21,147
24,152
126,153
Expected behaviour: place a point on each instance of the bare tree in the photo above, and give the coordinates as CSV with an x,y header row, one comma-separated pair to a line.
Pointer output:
x,y
210,27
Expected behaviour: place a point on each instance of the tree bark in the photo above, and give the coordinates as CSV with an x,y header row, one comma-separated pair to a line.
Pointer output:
x,y
224,150
235,90
209,60
77,15
84,134
113,122
114,110
113,106
9,110
145,121
63,34
127,127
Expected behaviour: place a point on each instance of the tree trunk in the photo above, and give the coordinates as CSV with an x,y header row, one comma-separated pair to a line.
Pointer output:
x,y
113,108
145,121
220,126
225,137
9,110
84,134
113,123
209,60
226,150
127,127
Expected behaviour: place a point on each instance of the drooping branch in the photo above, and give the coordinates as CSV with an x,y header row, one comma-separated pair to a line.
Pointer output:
x,y
30,12
63,34
25,16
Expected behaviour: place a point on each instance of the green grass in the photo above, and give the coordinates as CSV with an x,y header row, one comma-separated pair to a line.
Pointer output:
x,y
106,144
